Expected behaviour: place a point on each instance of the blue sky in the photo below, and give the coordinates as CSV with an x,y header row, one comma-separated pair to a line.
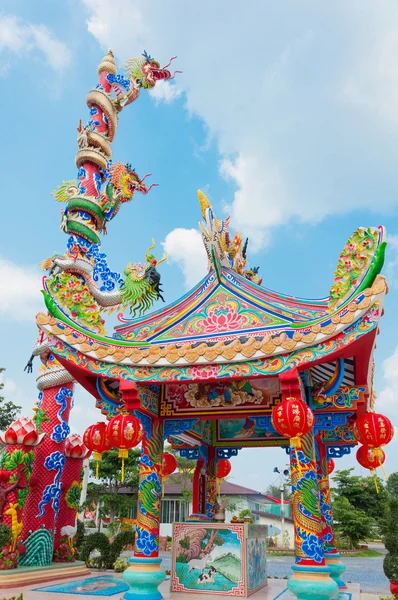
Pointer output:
x,y
286,115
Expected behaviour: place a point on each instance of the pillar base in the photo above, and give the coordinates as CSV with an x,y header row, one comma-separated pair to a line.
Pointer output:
x,y
144,576
337,568
312,583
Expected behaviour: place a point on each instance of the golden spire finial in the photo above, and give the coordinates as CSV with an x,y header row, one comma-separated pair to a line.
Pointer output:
x,y
204,203
108,64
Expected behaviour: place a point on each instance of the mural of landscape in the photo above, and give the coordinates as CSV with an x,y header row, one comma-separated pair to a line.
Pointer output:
x,y
241,429
208,560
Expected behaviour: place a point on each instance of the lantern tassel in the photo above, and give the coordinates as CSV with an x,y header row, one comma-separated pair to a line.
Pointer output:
x,y
295,443
96,470
384,473
375,480
123,453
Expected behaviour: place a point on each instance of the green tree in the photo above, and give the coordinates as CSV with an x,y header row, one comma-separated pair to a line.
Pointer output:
x,y
390,564
351,523
8,410
275,490
105,492
392,485
361,494
184,474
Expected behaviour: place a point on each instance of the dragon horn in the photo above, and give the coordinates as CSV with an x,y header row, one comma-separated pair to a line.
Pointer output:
x,y
169,63
165,255
149,249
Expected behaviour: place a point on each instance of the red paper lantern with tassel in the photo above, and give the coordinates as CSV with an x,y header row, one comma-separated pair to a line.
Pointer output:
x,y
371,458
293,419
331,466
373,430
223,470
96,440
124,432
169,465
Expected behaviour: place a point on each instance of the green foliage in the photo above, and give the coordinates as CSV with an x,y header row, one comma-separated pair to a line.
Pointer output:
x,y
96,541
351,523
391,536
246,513
184,474
390,567
392,485
275,490
361,493
79,537
121,564
185,543
123,539
105,492
8,410
109,553
218,541
5,535
20,597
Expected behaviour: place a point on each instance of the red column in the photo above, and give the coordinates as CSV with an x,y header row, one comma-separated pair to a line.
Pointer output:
x,y
199,490
66,526
211,484
43,502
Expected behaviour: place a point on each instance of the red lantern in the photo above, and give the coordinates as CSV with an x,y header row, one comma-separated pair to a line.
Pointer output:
x,y
293,419
22,431
374,430
370,458
169,464
74,447
95,439
330,466
124,431
223,468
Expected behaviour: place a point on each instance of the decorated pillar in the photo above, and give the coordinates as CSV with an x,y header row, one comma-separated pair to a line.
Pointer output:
x,y
75,453
144,574
16,463
211,483
311,577
332,557
42,506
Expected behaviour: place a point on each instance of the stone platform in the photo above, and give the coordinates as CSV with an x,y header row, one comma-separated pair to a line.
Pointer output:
x,y
31,576
276,590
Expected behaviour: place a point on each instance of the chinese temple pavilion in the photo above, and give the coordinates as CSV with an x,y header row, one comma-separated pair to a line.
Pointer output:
x,y
205,372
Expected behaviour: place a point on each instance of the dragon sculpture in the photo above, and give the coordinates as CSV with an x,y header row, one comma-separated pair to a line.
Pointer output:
x,y
80,285
123,182
71,284
220,248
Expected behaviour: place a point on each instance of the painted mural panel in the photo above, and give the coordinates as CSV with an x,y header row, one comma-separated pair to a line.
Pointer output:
x,y
241,429
256,563
208,560
236,396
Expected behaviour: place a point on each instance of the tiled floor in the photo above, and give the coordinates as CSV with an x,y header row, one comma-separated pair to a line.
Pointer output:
x,y
275,590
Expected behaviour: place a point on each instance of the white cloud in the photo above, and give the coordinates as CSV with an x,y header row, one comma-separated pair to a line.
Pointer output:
x,y
19,37
391,267
185,248
20,297
388,397
277,95
14,393
165,92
